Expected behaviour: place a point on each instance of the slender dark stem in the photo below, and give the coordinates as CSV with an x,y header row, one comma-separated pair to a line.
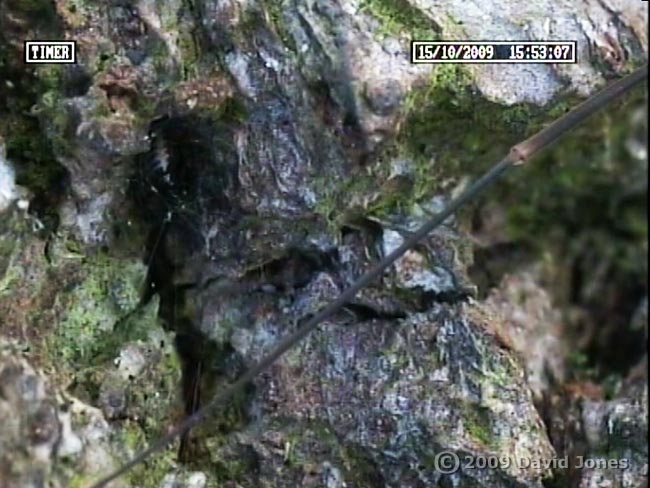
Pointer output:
x,y
519,153
568,121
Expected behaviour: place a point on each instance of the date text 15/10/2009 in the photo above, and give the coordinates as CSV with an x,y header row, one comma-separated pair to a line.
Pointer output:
x,y
494,52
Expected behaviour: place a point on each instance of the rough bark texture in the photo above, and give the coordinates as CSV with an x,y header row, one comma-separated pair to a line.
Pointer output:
x,y
211,173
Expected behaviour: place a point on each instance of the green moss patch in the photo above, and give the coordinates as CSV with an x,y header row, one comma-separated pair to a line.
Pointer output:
x,y
151,473
399,18
447,131
99,313
478,424
275,11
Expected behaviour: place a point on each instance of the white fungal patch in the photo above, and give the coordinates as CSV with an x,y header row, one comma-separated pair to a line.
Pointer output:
x,y
8,191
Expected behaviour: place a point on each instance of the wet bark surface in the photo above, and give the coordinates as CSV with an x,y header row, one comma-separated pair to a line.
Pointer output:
x,y
210,174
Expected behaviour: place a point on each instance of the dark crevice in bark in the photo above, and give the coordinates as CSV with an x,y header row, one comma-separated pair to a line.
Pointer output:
x,y
177,182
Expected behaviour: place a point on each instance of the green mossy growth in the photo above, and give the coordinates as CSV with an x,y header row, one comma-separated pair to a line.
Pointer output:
x,y
275,12
448,131
399,17
100,314
477,423
575,187
190,54
231,112
145,110
150,473
230,470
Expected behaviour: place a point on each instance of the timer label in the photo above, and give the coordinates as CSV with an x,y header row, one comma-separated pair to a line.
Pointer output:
x,y
47,52
494,52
